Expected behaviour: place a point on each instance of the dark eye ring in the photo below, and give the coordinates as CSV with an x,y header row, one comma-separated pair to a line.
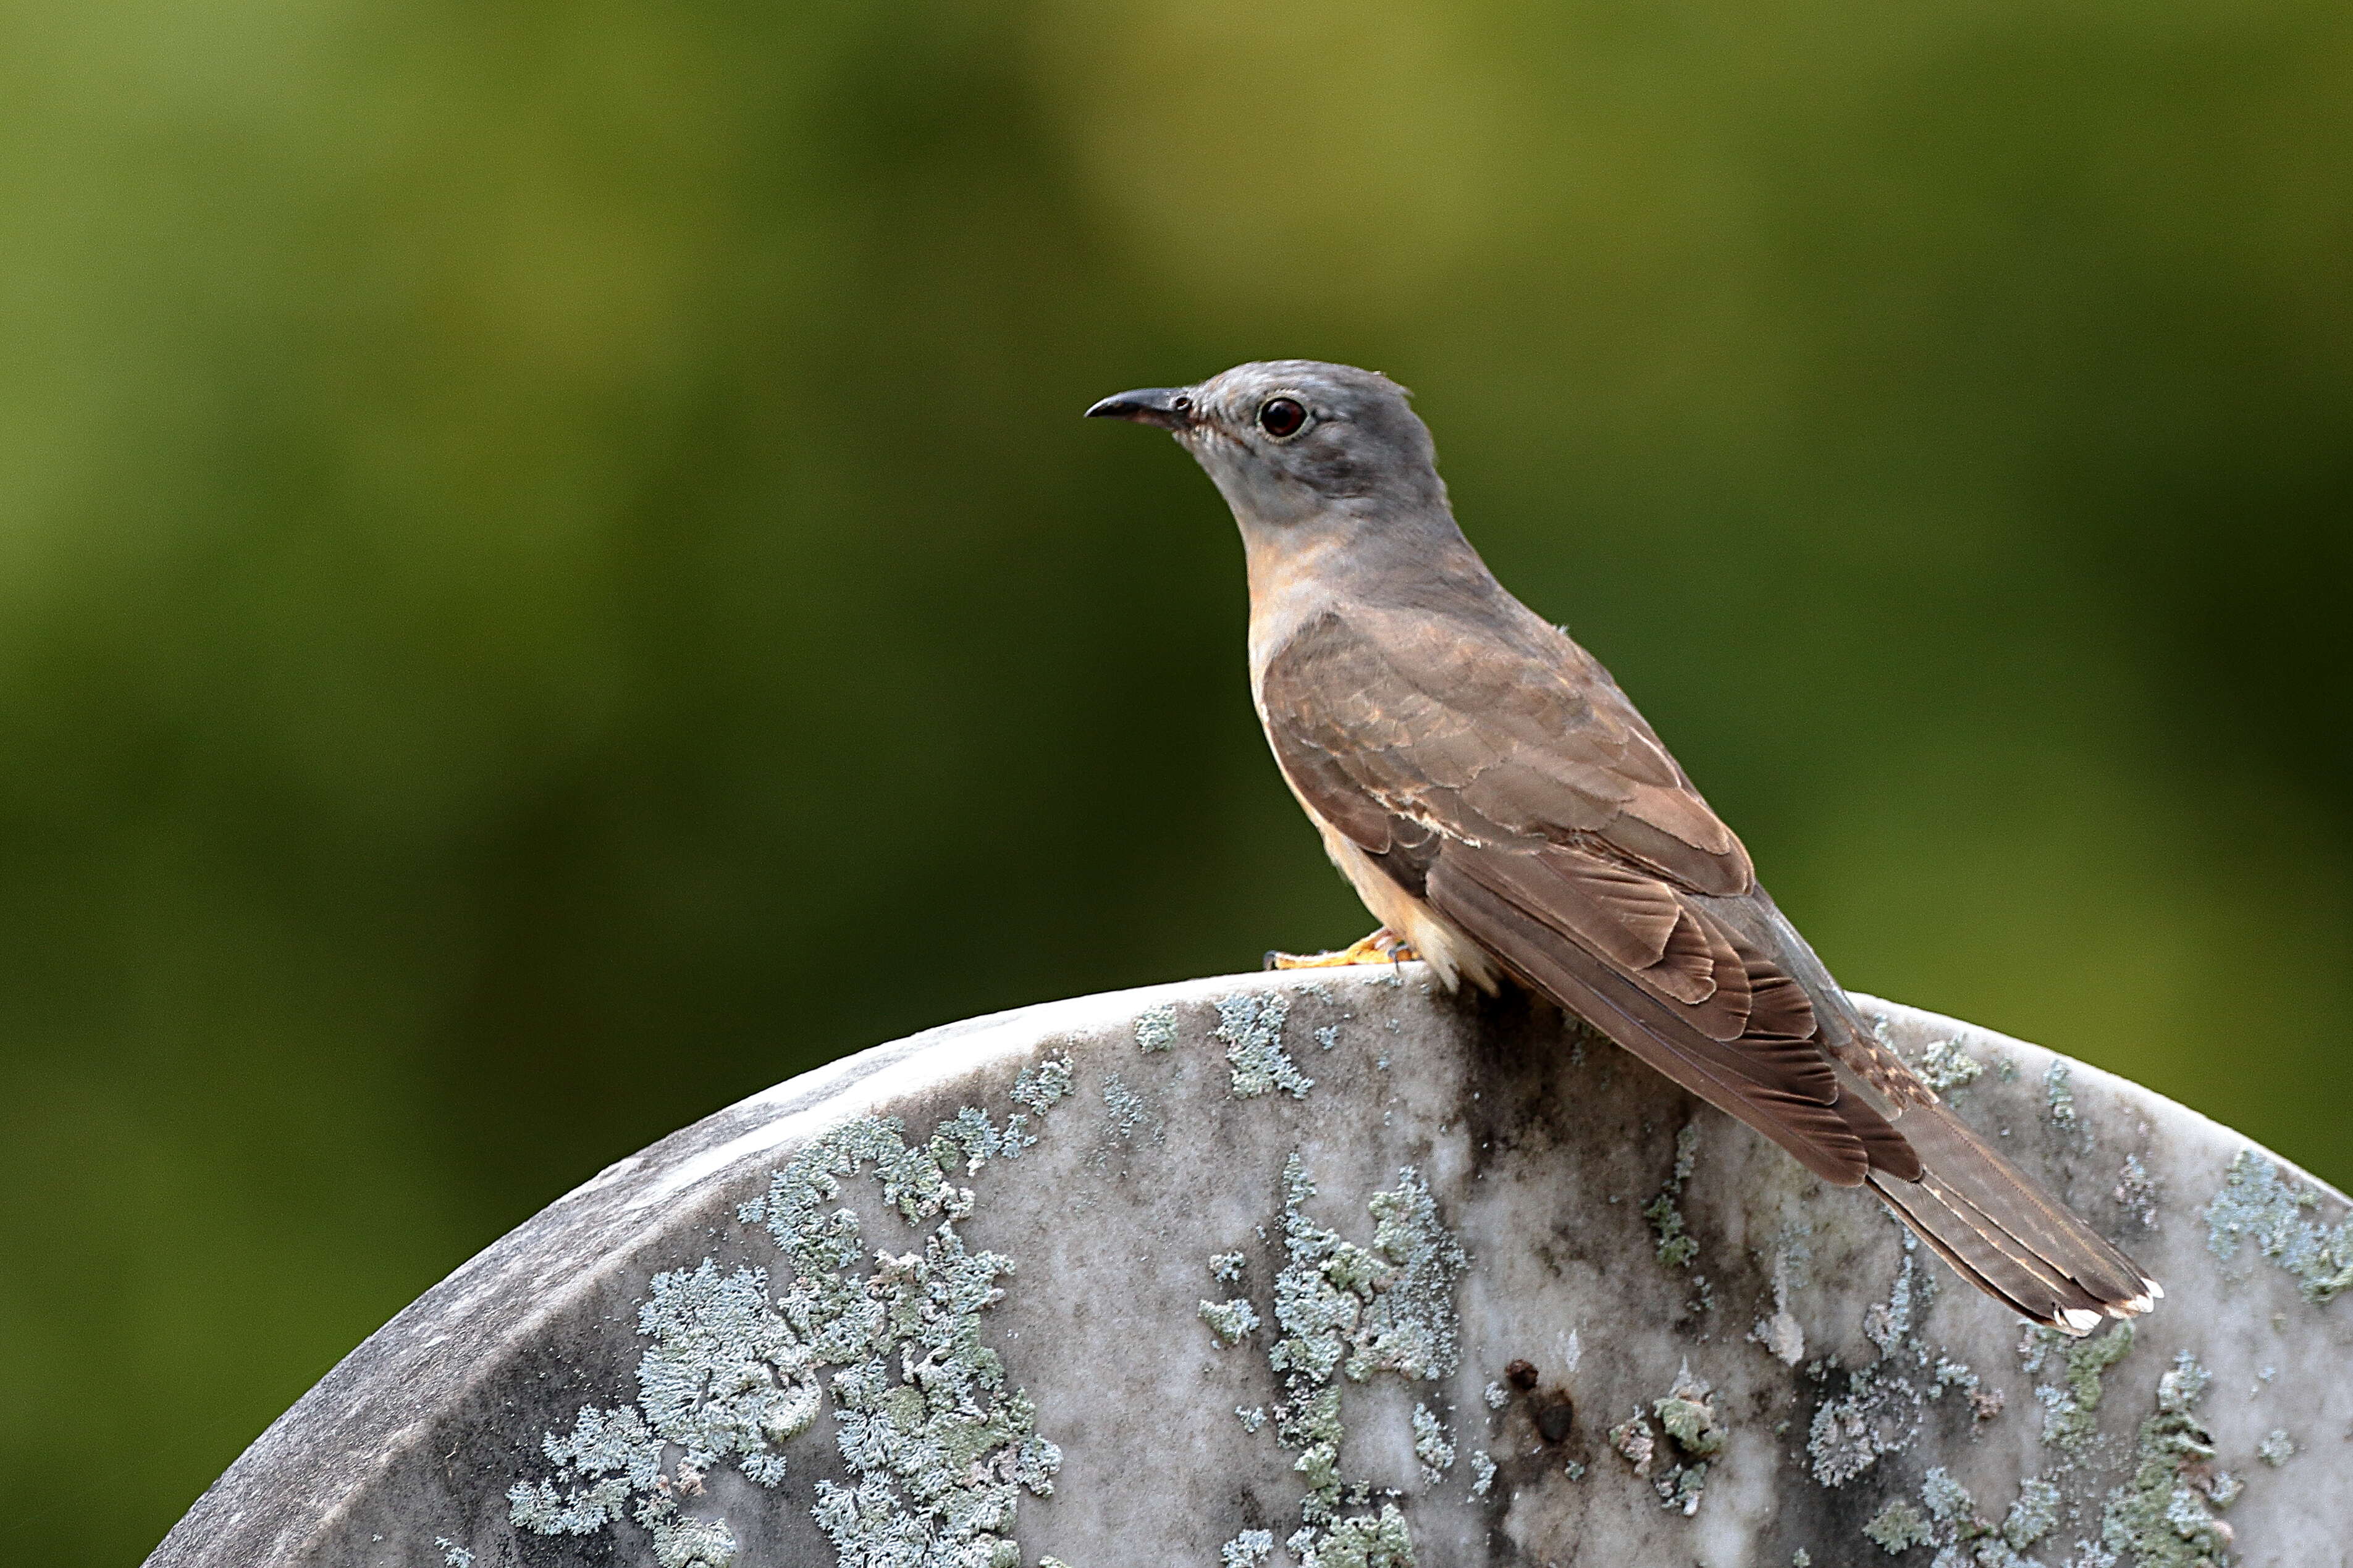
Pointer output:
x,y
1281,417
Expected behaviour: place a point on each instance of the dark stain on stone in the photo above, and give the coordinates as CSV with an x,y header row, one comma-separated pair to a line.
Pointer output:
x,y
1556,1415
1516,1046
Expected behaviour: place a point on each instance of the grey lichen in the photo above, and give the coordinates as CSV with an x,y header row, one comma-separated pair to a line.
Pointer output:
x,y
2136,1192
1632,1440
1351,1311
1898,1527
1251,1026
2276,1449
452,1554
1228,1267
1253,1416
1945,1066
1127,1112
1363,1541
1156,1028
1962,1535
1880,1412
1848,1434
1949,1501
2165,1515
2034,1515
1883,1407
1231,1321
970,1138
1248,1550
1691,1425
2070,1410
2059,1092
1885,1323
1680,1489
726,1377
1410,1326
1431,1444
1688,1417
1042,1087
937,1449
1482,1473
1677,1245
2255,1204
1496,1395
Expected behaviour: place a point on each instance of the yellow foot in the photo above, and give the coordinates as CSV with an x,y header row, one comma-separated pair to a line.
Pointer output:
x,y
1384,946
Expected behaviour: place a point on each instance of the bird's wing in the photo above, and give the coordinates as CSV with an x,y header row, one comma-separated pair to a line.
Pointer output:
x,y
1504,779
1516,789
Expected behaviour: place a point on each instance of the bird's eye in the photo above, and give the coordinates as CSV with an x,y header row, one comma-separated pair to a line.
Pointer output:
x,y
1281,417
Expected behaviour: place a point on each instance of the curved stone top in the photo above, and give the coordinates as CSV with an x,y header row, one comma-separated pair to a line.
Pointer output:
x,y
1324,1267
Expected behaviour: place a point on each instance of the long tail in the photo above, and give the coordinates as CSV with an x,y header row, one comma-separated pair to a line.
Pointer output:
x,y
2005,1234
1845,1105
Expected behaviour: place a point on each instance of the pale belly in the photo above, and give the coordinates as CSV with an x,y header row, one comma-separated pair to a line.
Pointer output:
x,y
1452,955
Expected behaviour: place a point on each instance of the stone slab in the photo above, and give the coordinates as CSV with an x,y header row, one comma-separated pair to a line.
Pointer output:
x,y
1331,1268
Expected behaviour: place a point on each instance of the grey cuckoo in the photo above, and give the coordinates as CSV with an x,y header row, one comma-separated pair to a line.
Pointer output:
x,y
1505,813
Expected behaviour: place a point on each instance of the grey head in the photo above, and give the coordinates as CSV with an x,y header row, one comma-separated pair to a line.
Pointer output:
x,y
1334,481
1291,440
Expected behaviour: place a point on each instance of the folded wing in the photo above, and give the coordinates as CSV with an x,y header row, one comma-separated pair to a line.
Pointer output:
x,y
1504,781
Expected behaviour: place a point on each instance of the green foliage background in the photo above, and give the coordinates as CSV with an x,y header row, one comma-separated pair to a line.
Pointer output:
x,y
551,576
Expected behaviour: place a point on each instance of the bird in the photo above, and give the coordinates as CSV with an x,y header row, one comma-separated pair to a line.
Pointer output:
x,y
1507,816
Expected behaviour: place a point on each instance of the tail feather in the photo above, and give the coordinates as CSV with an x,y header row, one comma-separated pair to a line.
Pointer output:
x,y
2000,1231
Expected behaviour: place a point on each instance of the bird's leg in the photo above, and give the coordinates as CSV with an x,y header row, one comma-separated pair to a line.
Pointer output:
x,y
1384,946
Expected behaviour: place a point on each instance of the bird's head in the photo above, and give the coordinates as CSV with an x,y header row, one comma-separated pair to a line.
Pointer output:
x,y
1291,440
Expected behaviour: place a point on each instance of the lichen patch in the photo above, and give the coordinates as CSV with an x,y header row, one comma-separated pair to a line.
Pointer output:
x,y
1677,1245
936,1447
1431,1443
1156,1028
1945,1066
1251,1026
2136,1192
1883,1407
1232,1321
2059,1093
1345,1314
1898,1527
2071,1407
2254,1204
1248,1550
2166,1515
1690,1423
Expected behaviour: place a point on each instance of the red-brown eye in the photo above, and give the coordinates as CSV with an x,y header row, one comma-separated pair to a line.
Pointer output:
x,y
1281,417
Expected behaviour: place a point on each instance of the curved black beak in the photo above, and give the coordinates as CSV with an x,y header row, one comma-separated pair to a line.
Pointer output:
x,y
1170,408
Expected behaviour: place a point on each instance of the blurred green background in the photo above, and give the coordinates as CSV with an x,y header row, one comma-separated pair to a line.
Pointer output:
x,y
551,575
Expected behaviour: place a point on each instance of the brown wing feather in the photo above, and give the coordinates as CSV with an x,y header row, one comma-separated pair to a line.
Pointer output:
x,y
1530,843
1785,1088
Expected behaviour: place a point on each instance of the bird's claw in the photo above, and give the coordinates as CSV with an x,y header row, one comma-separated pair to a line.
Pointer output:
x,y
1384,946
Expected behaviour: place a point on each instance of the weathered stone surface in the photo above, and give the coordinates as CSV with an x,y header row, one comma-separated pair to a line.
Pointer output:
x,y
1325,1268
